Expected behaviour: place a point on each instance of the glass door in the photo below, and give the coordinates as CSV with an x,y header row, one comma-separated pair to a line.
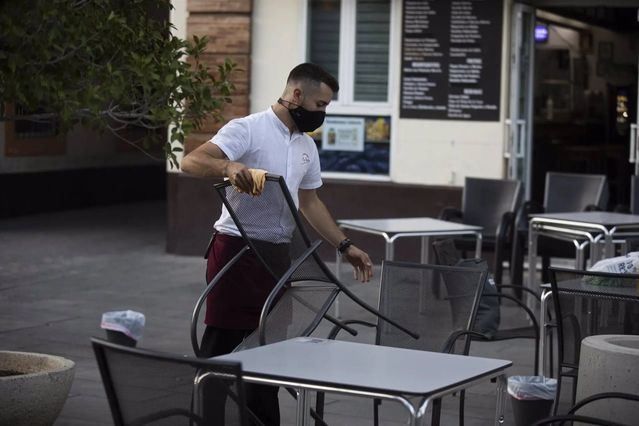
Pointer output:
x,y
519,123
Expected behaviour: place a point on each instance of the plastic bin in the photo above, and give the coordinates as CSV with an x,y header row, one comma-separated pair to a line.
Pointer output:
x,y
531,398
123,327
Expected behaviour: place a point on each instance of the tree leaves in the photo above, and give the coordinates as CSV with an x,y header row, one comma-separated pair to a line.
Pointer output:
x,y
110,65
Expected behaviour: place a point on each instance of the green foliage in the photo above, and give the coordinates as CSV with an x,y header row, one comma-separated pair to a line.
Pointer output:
x,y
110,65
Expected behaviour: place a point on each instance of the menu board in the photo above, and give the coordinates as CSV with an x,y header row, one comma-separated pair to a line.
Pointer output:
x,y
451,59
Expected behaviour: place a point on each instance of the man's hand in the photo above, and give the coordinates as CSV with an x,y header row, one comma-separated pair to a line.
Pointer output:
x,y
362,265
239,175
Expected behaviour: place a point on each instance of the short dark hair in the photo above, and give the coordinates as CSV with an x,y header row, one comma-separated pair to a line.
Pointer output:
x,y
315,73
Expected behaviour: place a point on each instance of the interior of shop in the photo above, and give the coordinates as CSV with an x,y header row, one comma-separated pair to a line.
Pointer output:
x,y
585,94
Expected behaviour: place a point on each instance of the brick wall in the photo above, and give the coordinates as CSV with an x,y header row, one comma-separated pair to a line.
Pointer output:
x,y
227,24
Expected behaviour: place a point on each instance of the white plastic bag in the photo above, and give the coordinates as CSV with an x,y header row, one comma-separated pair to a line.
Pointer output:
x,y
532,387
128,322
628,264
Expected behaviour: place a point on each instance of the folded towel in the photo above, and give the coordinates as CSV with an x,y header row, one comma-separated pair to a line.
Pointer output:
x,y
259,179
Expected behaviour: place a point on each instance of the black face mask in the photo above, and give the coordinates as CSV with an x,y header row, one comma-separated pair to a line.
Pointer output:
x,y
305,120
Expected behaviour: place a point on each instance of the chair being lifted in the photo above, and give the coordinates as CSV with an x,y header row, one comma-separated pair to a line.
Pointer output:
x,y
305,290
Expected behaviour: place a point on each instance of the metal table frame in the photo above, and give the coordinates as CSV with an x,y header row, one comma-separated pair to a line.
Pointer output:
x,y
590,229
313,378
393,229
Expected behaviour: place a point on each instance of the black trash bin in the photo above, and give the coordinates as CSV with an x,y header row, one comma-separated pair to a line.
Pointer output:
x,y
531,398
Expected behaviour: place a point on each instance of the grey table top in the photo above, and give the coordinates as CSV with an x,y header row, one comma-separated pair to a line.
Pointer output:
x,y
363,367
408,225
608,219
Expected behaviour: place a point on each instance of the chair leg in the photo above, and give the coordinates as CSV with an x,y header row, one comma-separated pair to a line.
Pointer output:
x,y
319,408
376,404
462,397
517,266
555,406
499,263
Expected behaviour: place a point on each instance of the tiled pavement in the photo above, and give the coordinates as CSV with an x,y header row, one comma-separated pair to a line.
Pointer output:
x,y
59,272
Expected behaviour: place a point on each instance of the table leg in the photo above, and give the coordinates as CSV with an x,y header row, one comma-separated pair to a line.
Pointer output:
x,y
424,259
303,407
501,391
390,250
478,245
542,333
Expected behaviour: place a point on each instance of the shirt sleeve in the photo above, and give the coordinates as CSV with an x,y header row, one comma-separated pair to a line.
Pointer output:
x,y
233,139
313,177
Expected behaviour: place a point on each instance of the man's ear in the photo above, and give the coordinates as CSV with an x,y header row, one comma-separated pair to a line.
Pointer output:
x,y
297,96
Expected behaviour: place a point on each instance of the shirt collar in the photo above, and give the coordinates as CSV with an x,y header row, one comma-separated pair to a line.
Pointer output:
x,y
277,121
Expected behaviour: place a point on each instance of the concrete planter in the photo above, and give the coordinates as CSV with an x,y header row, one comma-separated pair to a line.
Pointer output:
x,y
36,396
609,363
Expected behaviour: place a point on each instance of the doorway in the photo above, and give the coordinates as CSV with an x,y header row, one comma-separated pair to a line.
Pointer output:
x,y
584,95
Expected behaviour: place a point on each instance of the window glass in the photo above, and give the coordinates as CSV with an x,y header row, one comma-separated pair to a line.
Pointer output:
x,y
324,22
371,50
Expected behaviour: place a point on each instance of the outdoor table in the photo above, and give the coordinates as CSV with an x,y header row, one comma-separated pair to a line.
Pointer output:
x,y
583,228
424,227
578,287
356,369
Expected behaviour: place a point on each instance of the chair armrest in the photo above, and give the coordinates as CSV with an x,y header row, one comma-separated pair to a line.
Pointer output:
x,y
337,328
603,395
452,338
592,208
451,213
523,306
563,419
526,208
517,287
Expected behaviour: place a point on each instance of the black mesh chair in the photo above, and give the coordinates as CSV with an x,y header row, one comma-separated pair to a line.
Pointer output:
x,y
588,303
563,192
573,416
440,324
491,204
152,388
491,328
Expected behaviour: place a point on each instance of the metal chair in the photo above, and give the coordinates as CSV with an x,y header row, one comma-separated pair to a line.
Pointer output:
x,y
441,324
564,192
585,303
491,204
572,416
491,330
146,387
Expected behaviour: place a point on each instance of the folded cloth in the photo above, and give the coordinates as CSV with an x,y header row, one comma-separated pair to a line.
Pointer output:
x,y
259,179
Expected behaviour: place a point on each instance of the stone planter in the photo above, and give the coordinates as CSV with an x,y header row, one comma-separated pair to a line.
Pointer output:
x,y
609,363
35,395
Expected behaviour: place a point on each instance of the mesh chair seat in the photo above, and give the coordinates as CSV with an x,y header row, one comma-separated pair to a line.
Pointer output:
x,y
151,388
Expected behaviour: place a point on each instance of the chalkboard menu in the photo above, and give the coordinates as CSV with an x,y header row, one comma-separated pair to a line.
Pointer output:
x,y
451,59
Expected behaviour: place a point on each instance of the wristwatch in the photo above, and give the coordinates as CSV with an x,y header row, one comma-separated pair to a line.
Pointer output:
x,y
344,245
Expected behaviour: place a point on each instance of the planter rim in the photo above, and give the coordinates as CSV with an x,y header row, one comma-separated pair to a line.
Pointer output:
x,y
63,364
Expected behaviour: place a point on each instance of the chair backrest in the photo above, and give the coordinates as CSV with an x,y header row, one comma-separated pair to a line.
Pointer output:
x,y
569,192
484,201
146,387
588,303
410,293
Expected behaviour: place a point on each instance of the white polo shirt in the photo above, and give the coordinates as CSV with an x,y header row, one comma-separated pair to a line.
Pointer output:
x,y
262,141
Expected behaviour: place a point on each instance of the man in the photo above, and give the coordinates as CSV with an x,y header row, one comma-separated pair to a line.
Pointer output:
x,y
273,140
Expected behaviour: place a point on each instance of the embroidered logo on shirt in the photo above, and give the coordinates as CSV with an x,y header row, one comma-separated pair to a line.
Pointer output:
x,y
305,158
